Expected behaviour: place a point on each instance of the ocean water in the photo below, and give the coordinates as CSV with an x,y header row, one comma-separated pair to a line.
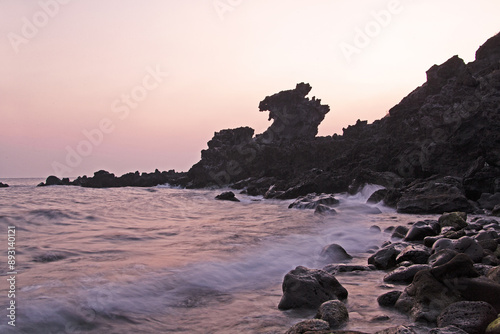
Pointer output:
x,y
167,260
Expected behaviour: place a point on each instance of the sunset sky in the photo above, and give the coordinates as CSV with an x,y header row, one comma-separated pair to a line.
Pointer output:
x,y
127,85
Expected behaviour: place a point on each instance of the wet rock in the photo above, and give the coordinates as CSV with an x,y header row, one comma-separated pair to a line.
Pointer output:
x,y
404,274
420,230
430,241
456,220
377,197
388,299
426,297
441,257
479,289
417,254
3,185
459,266
309,288
466,245
312,201
385,258
307,326
400,232
434,196
472,317
493,327
375,229
324,210
335,253
334,312
227,196
346,268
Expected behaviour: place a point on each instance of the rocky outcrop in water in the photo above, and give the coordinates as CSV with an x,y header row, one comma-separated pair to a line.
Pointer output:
x,y
3,185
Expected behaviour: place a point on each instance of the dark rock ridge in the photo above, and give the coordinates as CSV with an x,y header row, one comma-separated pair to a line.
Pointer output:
x,y
3,185
437,150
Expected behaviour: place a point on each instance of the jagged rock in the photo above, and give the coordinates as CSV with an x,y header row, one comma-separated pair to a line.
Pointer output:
x,y
308,326
388,299
335,253
294,115
334,312
227,196
472,317
309,288
434,196
3,185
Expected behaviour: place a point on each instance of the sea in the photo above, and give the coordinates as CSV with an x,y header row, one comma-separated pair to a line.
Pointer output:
x,y
172,260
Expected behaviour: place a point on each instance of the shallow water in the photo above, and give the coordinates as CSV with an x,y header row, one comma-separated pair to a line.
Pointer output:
x,y
165,260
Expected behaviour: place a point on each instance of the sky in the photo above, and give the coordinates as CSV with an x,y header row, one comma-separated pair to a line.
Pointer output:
x,y
126,85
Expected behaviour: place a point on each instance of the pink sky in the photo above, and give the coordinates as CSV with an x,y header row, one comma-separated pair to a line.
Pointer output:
x,y
68,67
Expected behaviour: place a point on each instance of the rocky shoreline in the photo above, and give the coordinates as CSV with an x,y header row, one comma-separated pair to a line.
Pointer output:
x,y
436,152
450,267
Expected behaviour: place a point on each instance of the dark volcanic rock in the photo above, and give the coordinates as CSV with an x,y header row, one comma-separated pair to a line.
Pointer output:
x,y
335,253
3,185
227,196
472,317
389,298
404,274
312,201
385,258
334,312
434,196
294,115
309,288
422,229
310,325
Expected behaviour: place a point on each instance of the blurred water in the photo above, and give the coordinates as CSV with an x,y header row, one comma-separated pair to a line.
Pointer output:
x,y
164,260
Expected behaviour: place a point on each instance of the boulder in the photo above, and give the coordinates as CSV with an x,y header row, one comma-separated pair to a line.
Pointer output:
x,y
422,229
388,299
309,288
466,245
416,254
334,312
434,197
472,317
335,253
441,257
459,266
227,196
496,211
426,297
400,232
385,258
3,185
324,210
307,326
404,275
456,220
